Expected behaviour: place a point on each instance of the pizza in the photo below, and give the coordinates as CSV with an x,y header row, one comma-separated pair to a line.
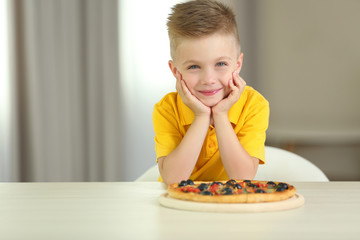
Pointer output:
x,y
231,191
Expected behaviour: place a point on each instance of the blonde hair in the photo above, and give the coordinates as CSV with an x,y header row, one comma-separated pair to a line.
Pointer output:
x,y
200,18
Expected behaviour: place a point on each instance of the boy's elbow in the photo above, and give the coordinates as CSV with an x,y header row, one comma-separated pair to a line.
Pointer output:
x,y
169,179
171,174
166,179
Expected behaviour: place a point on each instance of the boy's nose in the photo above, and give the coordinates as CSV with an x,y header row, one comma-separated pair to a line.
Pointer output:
x,y
208,78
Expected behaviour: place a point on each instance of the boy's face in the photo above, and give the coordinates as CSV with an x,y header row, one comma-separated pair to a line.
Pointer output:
x,y
206,65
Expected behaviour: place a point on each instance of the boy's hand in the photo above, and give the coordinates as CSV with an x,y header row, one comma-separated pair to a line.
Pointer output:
x,y
190,100
237,86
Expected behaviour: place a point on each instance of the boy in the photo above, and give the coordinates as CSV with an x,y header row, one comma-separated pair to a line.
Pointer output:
x,y
213,127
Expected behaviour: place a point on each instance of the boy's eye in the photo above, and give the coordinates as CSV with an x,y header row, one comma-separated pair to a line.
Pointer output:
x,y
193,67
221,64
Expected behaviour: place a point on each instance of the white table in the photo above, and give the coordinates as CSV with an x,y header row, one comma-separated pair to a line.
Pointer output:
x,y
130,210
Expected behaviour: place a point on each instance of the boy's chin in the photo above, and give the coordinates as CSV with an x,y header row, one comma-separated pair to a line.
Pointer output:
x,y
210,103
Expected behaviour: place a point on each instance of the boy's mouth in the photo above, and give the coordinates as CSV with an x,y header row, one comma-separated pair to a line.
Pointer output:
x,y
210,92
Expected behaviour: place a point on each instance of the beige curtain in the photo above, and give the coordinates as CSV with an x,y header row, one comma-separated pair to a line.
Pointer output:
x,y
66,118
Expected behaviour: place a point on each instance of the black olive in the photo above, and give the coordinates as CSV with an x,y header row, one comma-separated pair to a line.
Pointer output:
x,y
237,186
218,183
190,182
284,185
271,184
203,186
280,189
206,193
227,191
247,181
259,191
182,183
231,182
252,185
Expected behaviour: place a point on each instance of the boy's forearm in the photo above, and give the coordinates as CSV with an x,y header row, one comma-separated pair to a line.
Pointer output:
x,y
237,162
179,164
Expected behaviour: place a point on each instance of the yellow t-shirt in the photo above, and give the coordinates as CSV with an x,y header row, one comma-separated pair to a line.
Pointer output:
x,y
249,117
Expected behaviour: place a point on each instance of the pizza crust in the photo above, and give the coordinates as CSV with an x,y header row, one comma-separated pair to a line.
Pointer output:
x,y
290,203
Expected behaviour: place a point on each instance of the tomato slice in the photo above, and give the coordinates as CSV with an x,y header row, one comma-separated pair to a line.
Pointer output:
x,y
213,188
190,189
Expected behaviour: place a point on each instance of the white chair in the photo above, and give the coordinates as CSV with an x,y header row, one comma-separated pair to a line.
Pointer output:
x,y
151,175
281,165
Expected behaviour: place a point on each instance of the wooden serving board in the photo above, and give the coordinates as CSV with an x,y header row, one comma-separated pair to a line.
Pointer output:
x,y
293,202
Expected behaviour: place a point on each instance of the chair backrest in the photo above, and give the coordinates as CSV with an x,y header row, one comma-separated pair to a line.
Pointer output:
x,y
151,175
281,165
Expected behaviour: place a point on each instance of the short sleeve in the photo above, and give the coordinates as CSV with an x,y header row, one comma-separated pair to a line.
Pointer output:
x,y
252,133
166,127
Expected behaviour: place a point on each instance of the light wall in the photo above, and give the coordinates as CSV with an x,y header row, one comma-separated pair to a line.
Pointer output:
x,y
4,93
309,70
309,58
144,77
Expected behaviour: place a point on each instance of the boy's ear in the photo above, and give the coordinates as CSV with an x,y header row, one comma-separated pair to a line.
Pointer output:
x,y
172,68
239,62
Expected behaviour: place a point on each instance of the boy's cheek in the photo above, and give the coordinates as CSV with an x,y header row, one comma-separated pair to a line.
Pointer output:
x,y
224,74
189,78
189,83
226,78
